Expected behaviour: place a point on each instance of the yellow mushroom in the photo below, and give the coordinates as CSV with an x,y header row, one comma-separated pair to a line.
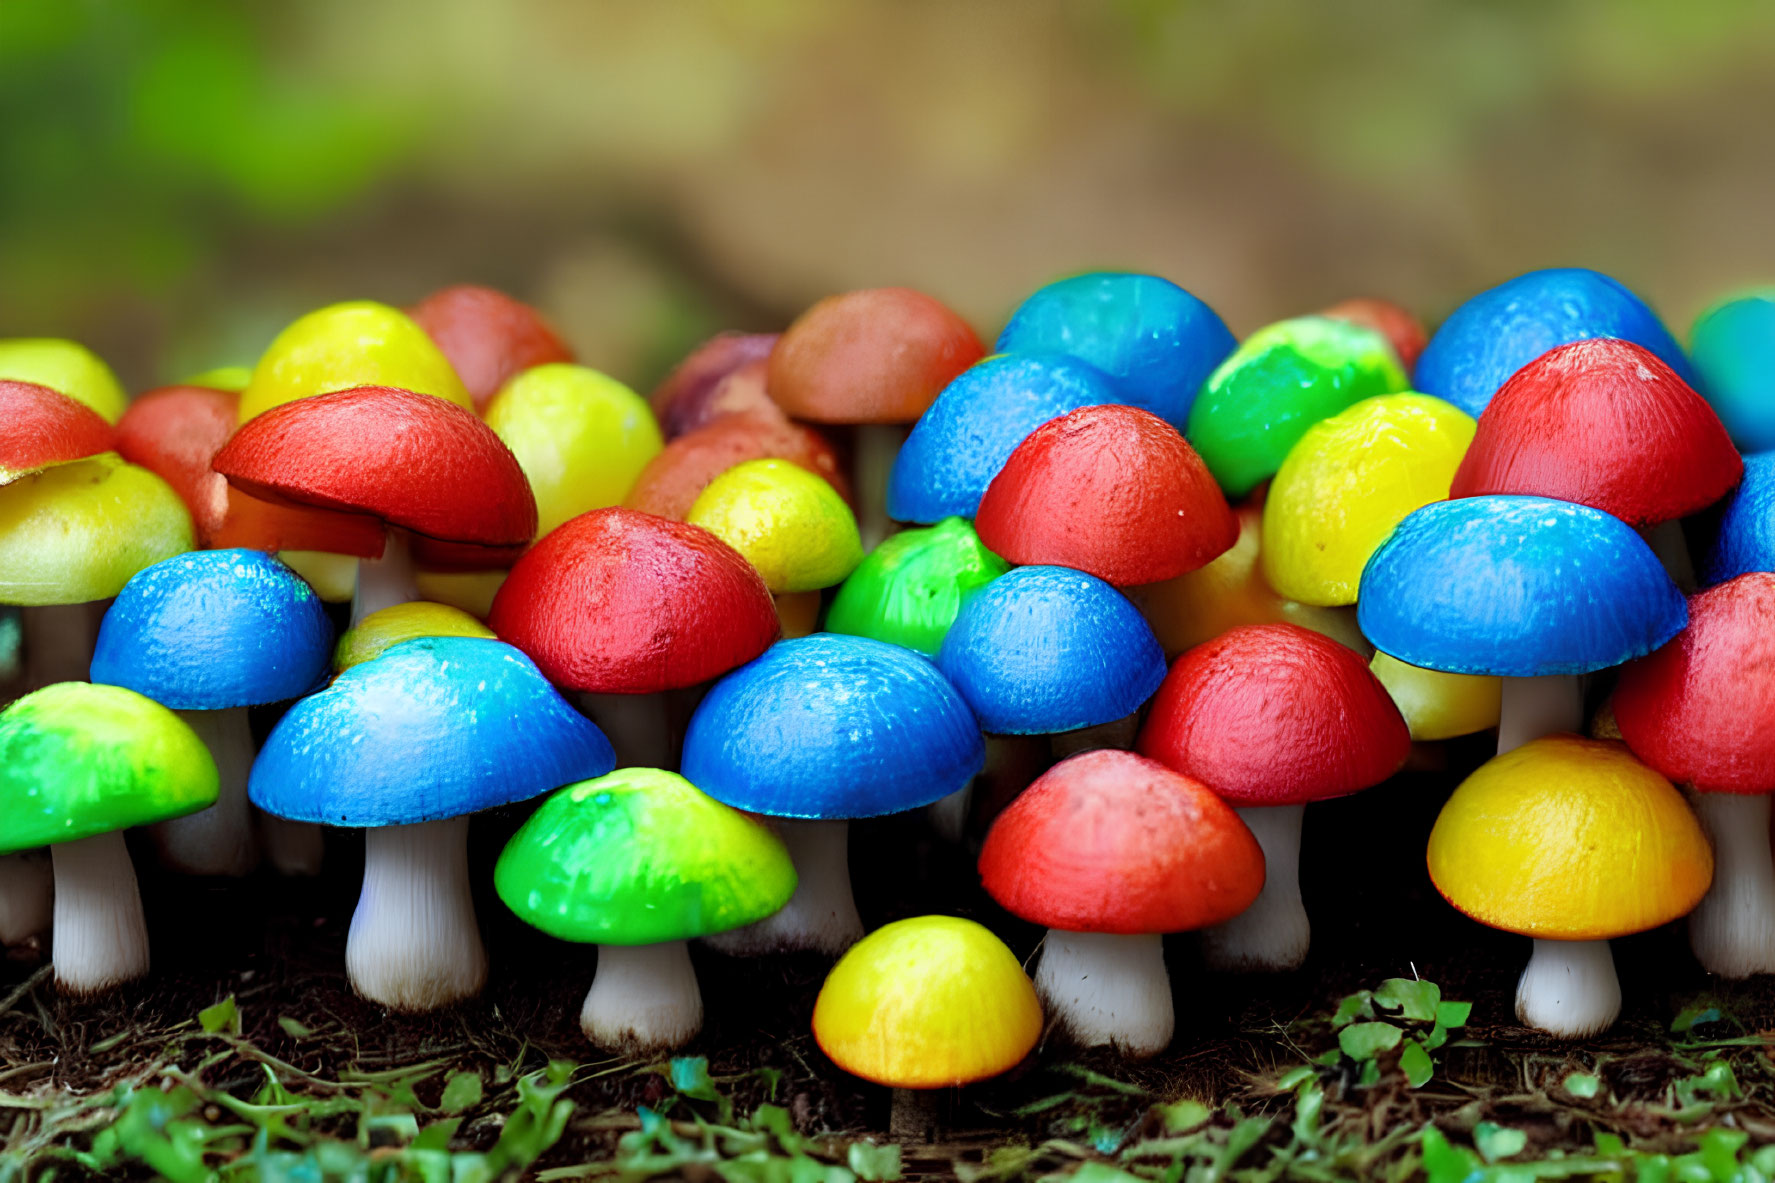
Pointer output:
x,y
65,366
366,640
359,343
1438,705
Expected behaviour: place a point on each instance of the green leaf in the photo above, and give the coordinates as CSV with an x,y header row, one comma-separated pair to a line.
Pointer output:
x,y
1495,1141
1101,1172
1101,1081
1691,1017
1184,1115
293,1028
690,1076
1444,1163
437,1135
224,1016
1453,1014
1365,1041
1295,1077
1415,999
1370,1074
1582,1085
872,1163
1355,1006
1329,1059
461,1091
1414,1061
1610,1145
1436,1038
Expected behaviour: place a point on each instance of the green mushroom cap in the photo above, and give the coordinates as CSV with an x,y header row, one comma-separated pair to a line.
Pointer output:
x,y
641,857
909,589
78,760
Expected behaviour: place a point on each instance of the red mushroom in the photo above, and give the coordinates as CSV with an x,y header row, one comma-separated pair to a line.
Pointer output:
x,y
672,480
40,427
489,337
1403,331
726,373
1273,717
1111,490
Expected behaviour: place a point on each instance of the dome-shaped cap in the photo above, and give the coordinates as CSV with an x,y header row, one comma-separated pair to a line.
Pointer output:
x,y
1046,649
929,1002
789,524
1274,714
77,760
908,590
1569,839
1111,490
640,857
1108,841
213,629
387,627
830,726
346,346
488,337
1746,538
1517,586
679,400
1438,705
40,427
672,481
433,729
67,367
1733,348
1402,329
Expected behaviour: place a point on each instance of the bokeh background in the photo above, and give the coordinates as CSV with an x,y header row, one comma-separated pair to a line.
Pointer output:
x,y
179,178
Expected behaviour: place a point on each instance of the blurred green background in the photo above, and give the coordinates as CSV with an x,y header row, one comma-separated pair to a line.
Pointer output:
x,y
178,178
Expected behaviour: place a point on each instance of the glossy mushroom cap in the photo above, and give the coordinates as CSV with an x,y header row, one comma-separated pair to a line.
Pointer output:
x,y
1606,424
1110,490
1108,841
346,346
214,629
678,402
830,726
1497,332
1746,538
1517,586
1274,714
641,857
908,590
788,523
929,1002
488,337
1155,341
672,481
1402,329
1046,649
1349,480
434,728
381,630
619,602
1438,705
1733,347
40,428
67,367
1569,839
78,760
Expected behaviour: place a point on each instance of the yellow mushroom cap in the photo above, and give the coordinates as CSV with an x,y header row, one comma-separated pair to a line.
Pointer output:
x,y
926,1003
471,591
1348,481
366,640
1438,705
1569,839
333,577
789,524
341,346
65,366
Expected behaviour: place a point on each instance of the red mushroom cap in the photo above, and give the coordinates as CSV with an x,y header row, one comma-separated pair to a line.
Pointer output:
x,y
1273,714
40,427
1108,841
489,337
1698,710
678,401
672,480
1110,490
1606,424
620,602
1402,330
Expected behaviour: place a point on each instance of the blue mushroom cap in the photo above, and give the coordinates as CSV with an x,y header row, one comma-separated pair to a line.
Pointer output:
x,y
213,629
434,728
1518,587
1734,350
832,726
966,436
1497,332
1746,539
1046,649
1155,341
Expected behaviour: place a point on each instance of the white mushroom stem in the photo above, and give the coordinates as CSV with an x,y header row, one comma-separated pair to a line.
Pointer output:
x,y
1117,734
1272,934
949,815
1668,542
639,727
293,848
101,937
1108,988
218,840
822,915
1533,707
1569,989
877,447
644,999
414,943
58,641
27,895
1733,930
387,581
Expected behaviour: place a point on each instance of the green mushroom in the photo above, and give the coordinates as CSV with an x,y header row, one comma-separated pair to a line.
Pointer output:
x,y
79,764
638,863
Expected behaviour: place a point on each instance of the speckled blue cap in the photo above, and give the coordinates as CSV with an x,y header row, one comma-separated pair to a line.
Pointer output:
x,y
1746,538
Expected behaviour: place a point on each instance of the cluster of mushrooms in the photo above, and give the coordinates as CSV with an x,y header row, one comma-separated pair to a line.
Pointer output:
x,y
1125,597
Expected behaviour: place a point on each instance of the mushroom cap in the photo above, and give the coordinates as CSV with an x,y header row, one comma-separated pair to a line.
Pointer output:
x,y
1745,541
1733,349
78,531
1275,714
1497,332
879,355
1112,490
788,523
488,337
1154,340
1606,424
1402,329
928,1002
40,427
1281,380
680,398
466,591
1349,480
1697,709
213,629
346,346
227,379
1569,839
640,857
78,760
908,590
1046,649
619,602
67,367
434,728
962,441
1108,841
1438,705
832,726
1516,586
376,633
581,438
672,481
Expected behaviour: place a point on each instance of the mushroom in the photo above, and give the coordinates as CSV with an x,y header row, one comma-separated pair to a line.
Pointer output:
x,y
1273,717
1745,541
376,633
79,764
1542,841
816,732
640,862
908,590
672,480
693,394
1438,705
488,337
41,428
1403,330
406,747
345,346
1109,850
67,367
1733,350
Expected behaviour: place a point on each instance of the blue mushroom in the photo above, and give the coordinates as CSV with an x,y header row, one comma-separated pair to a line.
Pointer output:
x,y
1746,539
1733,345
